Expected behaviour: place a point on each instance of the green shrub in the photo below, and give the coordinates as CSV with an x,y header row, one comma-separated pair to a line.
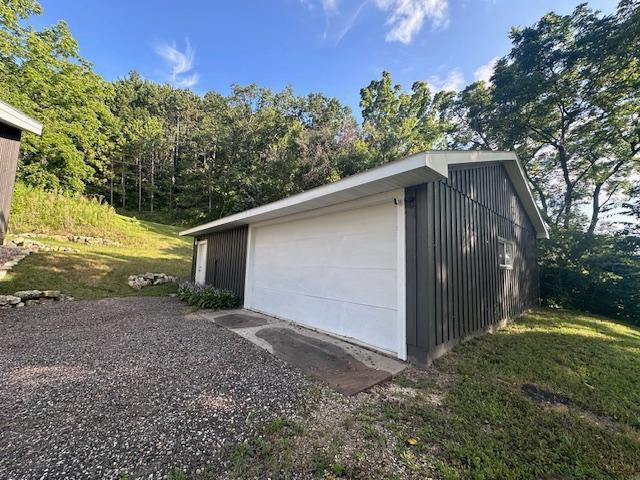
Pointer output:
x,y
207,296
593,273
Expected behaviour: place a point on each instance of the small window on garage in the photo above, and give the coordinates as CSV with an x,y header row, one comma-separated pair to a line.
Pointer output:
x,y
505,253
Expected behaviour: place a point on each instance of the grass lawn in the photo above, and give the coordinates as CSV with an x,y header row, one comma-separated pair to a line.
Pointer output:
x,y
556,395
102,271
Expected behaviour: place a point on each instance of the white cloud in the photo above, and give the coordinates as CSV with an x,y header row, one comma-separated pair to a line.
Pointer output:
x,y
408,16
453,81
330,7
180,63
484,72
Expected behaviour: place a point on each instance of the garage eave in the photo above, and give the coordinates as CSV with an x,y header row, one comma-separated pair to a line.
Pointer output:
x,y
412,170
15,118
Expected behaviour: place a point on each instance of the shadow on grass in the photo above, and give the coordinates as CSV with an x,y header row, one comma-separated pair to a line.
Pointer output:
x,y
92,274
595,363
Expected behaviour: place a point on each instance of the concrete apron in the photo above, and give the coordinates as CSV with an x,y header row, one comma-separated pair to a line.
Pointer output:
x,y
344,366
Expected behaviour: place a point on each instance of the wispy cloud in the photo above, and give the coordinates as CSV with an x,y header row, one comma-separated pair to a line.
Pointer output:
x,y
330,7
308,4
350,22
407,17
454,80
484,72
180,64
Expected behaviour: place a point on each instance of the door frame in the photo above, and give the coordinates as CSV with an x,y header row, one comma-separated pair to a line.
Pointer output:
x,y
204,260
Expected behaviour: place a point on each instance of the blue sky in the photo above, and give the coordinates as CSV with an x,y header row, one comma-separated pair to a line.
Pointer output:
x,y
331,46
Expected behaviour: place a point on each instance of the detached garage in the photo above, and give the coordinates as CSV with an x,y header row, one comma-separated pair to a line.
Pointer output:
x,y
12,123
408,258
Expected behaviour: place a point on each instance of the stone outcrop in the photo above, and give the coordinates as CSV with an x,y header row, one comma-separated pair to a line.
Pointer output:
x,y
9,300
31,297
34,246
147,279
74,238
28,294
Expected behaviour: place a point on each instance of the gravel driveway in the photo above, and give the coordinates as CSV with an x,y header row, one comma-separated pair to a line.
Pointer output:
x,y
99,389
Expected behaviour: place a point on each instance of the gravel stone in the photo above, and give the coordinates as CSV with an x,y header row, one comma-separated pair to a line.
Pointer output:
x,y
130,386
8,254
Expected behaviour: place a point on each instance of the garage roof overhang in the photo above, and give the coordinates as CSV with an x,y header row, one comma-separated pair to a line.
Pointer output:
x,y
17,119
413,170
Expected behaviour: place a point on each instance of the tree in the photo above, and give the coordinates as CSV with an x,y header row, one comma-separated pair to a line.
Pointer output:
x,y
612,74
328,139
571,130
43,74
396,123
473,120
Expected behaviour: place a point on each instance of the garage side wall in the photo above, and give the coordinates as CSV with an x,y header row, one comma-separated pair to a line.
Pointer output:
x,y
226,259
455,285
9,150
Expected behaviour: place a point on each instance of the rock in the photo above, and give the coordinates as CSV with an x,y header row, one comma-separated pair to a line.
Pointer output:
x,y
145,279
28,294
51,293
20,305
9,300
31,302
33,246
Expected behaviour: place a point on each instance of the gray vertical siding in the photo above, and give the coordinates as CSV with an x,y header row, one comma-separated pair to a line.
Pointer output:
x,y
226,259
9,149
455,286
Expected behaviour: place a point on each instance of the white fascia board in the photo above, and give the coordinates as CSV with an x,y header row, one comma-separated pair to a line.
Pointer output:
x,y
17,119
412,170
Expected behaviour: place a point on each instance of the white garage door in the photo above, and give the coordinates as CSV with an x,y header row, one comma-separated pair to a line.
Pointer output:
x,y
336,272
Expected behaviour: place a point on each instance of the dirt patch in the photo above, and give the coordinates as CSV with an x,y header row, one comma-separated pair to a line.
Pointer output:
x,y
540,395
562,403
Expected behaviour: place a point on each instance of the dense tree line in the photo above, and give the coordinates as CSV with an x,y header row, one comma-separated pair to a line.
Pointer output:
x,y
566,98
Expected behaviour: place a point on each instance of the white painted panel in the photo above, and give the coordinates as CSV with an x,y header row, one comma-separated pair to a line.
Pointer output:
x,y
201,262
336,272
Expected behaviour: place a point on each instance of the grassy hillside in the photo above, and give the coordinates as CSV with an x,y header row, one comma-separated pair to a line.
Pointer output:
x,y
37,211
554,395
96,271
